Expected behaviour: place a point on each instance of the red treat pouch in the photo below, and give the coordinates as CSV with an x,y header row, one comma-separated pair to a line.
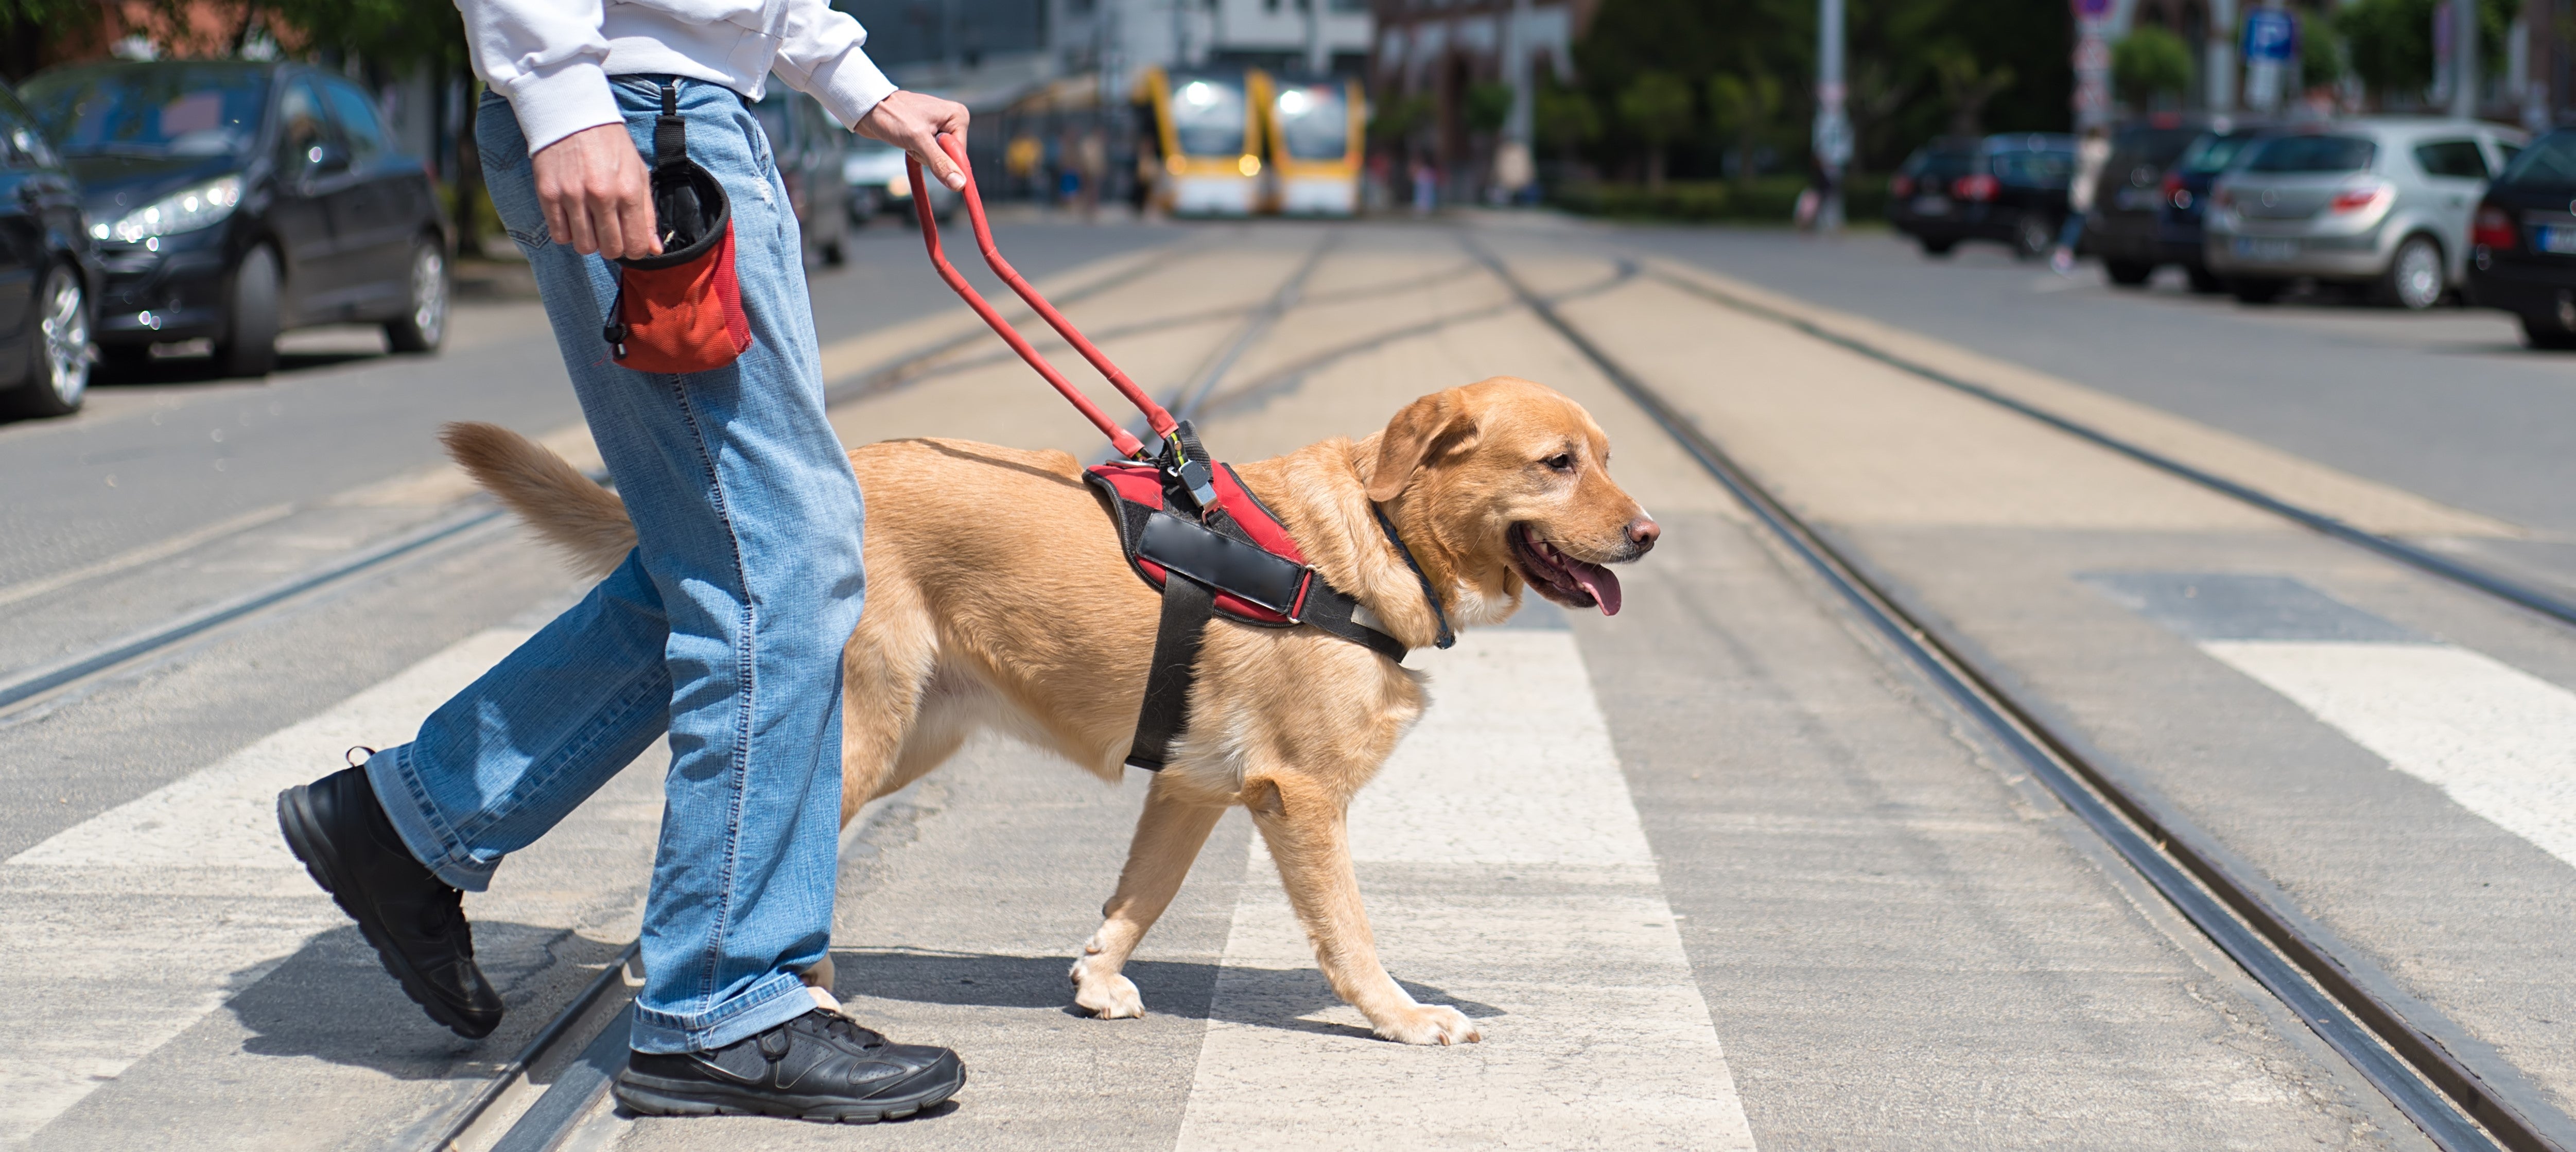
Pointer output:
x,y
680,311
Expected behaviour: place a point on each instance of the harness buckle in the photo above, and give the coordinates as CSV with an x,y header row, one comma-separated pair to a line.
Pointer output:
x,y
1196,478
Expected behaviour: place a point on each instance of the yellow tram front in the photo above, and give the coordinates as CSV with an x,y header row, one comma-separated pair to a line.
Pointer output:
x,y
1317,132
1207,127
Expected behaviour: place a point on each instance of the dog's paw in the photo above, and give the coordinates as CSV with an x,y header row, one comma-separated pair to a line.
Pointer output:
x,y
1106,995
1429,1024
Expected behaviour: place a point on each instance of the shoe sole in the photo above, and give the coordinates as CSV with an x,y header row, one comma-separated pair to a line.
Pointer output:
x,y
653,1096
303,837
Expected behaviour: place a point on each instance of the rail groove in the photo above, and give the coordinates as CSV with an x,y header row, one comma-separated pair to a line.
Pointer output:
x,y
2458,1110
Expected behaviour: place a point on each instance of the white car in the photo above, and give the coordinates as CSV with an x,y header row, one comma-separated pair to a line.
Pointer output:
x,y
875,172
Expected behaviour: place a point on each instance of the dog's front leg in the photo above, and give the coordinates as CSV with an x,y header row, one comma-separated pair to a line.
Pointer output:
x,y
1169,835
1304,825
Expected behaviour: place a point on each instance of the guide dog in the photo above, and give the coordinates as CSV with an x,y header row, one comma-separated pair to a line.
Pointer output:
x,y
998,597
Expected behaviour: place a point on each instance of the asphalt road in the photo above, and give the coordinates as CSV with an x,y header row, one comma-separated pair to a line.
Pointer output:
x,y
1721,871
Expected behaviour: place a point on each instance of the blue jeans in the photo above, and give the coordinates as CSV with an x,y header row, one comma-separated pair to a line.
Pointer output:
x,y
724,627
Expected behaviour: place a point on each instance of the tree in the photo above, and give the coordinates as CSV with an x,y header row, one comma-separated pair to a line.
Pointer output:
x,y
1657,107
1489,106
2392,42
2148,63
1966,87
1567,120
1747,104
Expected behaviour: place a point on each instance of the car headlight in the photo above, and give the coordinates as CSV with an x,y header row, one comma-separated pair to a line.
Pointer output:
x,y
900,187
183,211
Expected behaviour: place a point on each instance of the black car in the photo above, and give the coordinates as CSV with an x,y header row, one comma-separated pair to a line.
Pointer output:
x,y
2522,242
2185,196
2121,228
48,277
231,201
2010,188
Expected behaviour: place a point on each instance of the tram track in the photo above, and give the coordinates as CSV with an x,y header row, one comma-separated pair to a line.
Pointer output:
x,y
2309,971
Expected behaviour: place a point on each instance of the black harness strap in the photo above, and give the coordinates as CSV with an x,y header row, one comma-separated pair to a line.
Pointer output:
x,y
1187,607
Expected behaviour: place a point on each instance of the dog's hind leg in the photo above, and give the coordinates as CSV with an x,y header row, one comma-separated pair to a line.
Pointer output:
x,y
1304,825
1169,834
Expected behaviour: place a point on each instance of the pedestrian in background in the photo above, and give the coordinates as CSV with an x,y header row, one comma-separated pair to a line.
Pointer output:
x,y
2092,154
1426,188
723,628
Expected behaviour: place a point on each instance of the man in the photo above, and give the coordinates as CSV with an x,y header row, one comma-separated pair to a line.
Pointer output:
x,y
723,628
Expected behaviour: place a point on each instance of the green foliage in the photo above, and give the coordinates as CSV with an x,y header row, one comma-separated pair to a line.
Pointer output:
x,y
1489,104
2148,63
1967,86
2392,41
1657,107
2320,56
1745,105
1395,118
1567,119
395,34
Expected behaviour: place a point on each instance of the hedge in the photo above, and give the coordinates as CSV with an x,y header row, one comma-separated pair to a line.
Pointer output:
x,y
1770,199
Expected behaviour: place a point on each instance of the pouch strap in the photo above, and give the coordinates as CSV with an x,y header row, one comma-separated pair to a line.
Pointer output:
x,y
670,133
1187,607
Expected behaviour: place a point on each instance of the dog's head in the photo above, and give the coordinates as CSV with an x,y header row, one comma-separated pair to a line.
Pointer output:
x,y
1512,480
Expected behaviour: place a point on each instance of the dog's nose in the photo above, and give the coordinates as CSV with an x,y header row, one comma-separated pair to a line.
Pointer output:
x,y
1643,532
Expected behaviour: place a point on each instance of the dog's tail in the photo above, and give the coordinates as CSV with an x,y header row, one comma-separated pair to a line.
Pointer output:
x,y
586,522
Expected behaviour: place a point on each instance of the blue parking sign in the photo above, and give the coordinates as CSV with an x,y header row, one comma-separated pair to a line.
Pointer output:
x,y
2270,36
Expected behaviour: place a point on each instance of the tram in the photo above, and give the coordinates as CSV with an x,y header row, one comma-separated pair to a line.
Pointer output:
x,y
1207,126
1318,133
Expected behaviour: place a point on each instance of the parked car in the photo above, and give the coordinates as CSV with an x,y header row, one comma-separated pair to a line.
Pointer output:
x,y
808,147
48,274
2185,199
875,173
2382,202
2121,228
2522,242
232,201
2009,188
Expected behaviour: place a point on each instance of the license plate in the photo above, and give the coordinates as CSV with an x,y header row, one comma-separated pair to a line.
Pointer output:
x,y
2138,199
2558,240
2257,248
1931,205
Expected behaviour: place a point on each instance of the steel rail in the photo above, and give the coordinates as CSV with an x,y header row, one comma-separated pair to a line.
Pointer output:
x,y
545,1043
2412,1069
2467,575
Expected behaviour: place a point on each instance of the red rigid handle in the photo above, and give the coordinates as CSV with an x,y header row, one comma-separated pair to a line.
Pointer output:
x,y
1124,441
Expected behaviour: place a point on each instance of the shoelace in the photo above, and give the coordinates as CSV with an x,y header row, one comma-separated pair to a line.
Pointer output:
x,y
842,1027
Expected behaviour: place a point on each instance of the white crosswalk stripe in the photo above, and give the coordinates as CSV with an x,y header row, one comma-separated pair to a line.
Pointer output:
x,y
2499,741
131,926
1505,867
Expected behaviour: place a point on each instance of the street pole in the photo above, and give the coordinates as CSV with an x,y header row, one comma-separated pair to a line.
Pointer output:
x,y
1319,57
2464,59
2092,64
1833,135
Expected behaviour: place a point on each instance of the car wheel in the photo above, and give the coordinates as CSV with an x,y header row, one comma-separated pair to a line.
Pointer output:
x,y
2546,332
2034,235
59,357
2414,280
835,254
1938,247
2252,291
424,323
2203,280
2129,273
249,343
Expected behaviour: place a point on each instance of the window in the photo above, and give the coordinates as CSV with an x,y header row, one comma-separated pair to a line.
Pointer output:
x,y
2454,158
2550,162
355,116
301,130
2313,154
2035,169
2214,153
159,109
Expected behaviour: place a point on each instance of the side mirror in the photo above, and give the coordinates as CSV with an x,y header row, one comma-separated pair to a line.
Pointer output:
x,y
326,157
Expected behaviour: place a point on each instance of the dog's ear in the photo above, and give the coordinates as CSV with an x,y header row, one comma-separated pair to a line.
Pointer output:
x,y
1427,429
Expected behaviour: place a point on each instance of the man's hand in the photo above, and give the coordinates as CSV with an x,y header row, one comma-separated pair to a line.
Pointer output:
x,y
596,195
913,122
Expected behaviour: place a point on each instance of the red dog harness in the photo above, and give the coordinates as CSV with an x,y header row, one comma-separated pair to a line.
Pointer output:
x,y
1187,524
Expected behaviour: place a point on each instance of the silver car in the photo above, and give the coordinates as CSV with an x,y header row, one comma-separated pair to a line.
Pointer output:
x,y
2381,202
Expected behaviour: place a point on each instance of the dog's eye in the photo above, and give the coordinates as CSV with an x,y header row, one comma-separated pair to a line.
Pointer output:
x,y
1562,462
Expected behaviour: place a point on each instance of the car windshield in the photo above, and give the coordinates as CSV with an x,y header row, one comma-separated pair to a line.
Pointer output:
x,y
1207,113
2036,169
1944,165
2550,161
1315,119
164,109
2155,147
2213,153
2313,154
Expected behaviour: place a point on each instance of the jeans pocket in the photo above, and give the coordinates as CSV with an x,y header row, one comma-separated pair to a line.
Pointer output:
x,y
508,178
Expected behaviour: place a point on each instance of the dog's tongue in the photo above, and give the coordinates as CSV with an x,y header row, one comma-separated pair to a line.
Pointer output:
x,y
1600,582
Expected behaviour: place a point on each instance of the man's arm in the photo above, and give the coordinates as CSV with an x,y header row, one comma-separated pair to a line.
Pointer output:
x,y
821,56
544,57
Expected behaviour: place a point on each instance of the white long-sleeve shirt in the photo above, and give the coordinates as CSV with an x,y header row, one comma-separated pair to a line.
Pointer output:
x,y
552,58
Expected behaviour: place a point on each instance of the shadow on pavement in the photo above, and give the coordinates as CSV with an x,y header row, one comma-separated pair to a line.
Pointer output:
x,y
1266,997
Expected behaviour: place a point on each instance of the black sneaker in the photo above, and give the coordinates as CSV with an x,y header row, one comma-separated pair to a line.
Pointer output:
x,y
415,921
819,1066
